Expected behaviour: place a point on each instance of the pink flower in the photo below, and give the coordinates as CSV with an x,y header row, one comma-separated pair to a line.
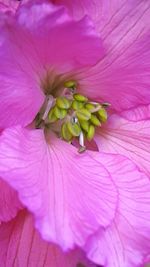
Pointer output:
x,y
100,199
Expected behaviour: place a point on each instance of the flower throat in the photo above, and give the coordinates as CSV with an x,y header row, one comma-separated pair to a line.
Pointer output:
x,y
72,116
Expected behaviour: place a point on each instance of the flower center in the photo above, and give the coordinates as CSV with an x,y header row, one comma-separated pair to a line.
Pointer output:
x,y
72,116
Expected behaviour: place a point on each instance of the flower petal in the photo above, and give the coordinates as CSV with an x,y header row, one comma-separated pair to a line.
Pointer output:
x,y
107,15
122,76
99,11
128,138
9,5
9,202
137,114
21,245
35,45
21,96
71,194
126,242
67,44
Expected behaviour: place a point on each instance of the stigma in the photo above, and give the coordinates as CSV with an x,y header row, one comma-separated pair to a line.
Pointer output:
x,y
72,116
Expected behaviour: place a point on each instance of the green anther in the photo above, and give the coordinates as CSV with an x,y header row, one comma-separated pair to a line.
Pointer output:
x,y
80,98
90,107
60,113
74,128
63,102
90,133
102,114
63,113
77,105
70,84
51,116
83,114
84,125
65,133
95,120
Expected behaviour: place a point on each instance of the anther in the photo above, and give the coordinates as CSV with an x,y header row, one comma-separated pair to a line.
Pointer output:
x,y
93,107
83,114
77,105
74,128
91,132
60,113
65,133
70,84
84,125
80,98
51,116
102,114
63,102
95,121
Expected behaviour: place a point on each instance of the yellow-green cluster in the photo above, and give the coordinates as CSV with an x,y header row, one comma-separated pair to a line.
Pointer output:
x,y
78,115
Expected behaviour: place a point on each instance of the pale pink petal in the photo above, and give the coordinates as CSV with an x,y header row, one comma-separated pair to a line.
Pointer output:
x,y
41,42
22,246
122,76
9,202
128,138
70,194
126,242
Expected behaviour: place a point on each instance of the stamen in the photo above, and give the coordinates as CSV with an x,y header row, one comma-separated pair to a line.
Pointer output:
x,y
73,115
70,84
94,103
95,108
105,104
82,147
50,101
81,139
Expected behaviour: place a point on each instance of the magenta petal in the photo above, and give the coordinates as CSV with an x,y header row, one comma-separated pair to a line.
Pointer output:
x,y
99,11
70,194
35,45
109,16
126,242
137,114
61,43
122,76
8,5
9,202
123,82
128,138
21,96
22,246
